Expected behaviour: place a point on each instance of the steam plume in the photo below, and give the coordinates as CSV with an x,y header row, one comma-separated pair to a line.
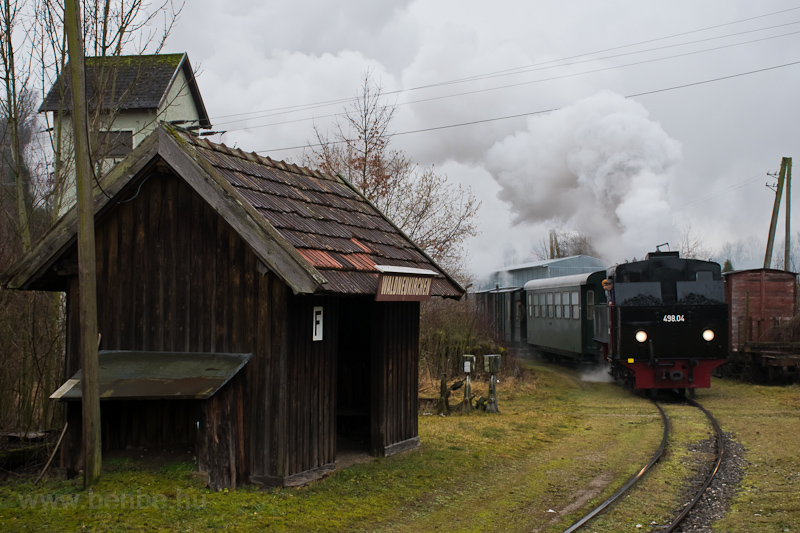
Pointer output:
x,y
600,166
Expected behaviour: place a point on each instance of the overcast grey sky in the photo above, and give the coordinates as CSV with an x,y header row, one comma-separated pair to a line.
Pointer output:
x,y
627,171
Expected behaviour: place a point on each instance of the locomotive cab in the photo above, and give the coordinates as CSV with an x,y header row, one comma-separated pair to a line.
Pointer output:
x,y
668,321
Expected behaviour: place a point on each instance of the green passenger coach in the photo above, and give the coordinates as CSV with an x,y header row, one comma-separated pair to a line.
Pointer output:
x,y
560,315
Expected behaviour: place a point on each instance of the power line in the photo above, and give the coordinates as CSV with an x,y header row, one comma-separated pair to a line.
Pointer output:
x,y
725,190
520,70
531,113
519,84
302,107
615,48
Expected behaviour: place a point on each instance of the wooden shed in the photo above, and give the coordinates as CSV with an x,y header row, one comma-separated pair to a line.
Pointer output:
x,y
249,308
759,300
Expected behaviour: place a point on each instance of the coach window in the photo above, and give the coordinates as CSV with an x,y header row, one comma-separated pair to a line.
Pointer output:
x,y
542,306
549,305
576,305
565,302
536,305
589,305
558,304
530,305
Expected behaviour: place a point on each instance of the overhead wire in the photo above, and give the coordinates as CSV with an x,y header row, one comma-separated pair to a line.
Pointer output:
x,y
325,103
519,84
523,83
722,191
531,113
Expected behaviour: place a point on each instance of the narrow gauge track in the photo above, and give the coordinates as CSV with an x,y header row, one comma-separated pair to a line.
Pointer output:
x,y
656,456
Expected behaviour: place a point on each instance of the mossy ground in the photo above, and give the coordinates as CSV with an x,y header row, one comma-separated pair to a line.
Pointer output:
x,y
521,470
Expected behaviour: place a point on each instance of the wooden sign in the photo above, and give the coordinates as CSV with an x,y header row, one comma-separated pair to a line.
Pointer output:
x,y
398,284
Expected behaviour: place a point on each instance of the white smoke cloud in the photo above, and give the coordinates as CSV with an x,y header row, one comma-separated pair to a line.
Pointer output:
x,y
600,166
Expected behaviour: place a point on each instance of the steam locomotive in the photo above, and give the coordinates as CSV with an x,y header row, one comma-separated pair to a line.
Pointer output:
x,y
665,326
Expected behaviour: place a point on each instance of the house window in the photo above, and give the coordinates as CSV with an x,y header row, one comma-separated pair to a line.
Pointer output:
x,y
114,144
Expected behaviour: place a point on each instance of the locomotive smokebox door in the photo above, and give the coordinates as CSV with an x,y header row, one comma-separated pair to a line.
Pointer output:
x,y
491,363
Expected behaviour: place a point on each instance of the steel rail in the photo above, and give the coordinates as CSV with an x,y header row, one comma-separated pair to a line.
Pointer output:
x,y
711,475
597,510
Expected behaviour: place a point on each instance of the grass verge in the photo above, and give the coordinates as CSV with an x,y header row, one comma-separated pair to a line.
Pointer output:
x,y
557,446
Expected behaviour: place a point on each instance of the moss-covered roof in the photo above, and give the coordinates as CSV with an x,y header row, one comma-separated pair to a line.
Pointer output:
x,y
127,82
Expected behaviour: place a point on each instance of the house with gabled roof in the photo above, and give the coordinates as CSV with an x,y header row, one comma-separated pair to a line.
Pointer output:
x,y
260,312
129,95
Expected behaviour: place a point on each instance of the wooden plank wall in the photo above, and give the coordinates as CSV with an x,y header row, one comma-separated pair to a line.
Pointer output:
x,y
758,300
311,385
174,276
395,362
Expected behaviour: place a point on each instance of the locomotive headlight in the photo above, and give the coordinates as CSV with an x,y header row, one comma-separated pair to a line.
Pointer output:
x,y
708,335
641,336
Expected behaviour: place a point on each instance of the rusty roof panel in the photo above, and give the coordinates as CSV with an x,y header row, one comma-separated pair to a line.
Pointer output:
x,y
361,261
308,240
440,287
351,282
361,245
319,259
359,282
158,375
237,179
406,254
392,252
379,237
264,186
278,220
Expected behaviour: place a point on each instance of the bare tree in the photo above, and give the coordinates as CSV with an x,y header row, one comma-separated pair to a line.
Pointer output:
x,y
565,244
33,169
692,244
13,111
110,29
435,213
744,253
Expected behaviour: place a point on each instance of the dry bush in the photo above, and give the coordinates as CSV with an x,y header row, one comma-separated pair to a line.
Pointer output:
x,y
448,330
31,342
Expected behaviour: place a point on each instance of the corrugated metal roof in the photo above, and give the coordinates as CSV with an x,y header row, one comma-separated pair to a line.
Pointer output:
x,y
319,259
332,226
128,375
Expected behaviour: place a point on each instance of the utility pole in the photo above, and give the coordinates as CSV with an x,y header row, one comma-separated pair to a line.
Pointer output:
x,y
788,243
87,279
786,162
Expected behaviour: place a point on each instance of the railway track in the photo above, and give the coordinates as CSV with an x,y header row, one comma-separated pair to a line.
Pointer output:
x,y
656,456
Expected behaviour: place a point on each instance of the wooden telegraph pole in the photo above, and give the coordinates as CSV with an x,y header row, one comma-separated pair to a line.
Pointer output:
x,y
86,252
786,170
788,242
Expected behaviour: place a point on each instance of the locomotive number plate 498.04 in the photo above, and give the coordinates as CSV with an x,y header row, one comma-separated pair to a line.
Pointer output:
x,y
673,318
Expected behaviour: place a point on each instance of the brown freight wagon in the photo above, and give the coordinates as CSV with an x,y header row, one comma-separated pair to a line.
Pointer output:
x,y
762,303
251,310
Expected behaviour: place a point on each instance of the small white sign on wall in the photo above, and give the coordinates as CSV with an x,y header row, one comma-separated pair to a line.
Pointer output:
x,y
316,333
